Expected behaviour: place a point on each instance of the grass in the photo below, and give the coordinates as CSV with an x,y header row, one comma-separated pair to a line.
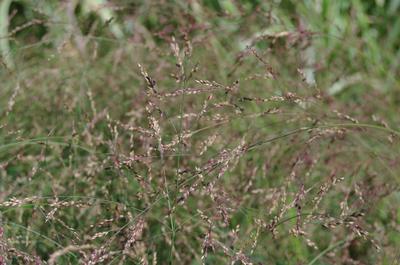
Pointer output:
x,y
199,132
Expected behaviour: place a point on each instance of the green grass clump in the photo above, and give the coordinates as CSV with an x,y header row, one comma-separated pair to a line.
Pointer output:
x,y
199,132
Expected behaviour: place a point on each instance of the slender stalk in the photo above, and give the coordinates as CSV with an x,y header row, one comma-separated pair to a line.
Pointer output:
x,y
325,251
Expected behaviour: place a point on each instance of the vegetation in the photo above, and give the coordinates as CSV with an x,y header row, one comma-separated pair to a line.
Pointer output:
x,y
199,132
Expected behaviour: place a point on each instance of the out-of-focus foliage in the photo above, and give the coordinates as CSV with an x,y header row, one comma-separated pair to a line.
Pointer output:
x,y
189,132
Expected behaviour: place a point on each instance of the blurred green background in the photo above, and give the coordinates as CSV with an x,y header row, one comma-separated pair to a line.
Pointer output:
x,y
69,71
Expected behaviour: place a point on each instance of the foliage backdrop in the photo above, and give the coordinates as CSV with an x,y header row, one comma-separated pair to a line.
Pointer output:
x,y
199,132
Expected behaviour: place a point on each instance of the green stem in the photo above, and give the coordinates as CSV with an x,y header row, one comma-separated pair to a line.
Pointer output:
x,y
4,40
328,249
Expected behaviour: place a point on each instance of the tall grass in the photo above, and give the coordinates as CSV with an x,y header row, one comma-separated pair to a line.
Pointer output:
x,y
198,132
